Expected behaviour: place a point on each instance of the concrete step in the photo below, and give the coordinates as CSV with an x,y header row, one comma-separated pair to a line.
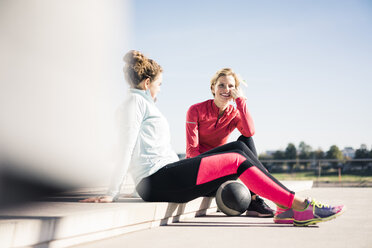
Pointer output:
x,y
61,221
62,224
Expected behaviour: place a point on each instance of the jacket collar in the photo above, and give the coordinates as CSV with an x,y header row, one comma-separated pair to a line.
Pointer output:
x,y
214,107
217,110
145,93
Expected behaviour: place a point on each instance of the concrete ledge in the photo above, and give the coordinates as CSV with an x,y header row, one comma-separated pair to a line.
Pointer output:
x,y
297,186
62,224
62,221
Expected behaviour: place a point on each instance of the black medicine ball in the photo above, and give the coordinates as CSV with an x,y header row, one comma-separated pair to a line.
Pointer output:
x,y
233,198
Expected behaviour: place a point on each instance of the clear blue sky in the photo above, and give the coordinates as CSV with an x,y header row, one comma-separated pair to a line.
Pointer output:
x,y
308,64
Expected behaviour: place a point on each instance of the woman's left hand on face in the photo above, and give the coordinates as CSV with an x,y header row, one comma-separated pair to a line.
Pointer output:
x,y
236,93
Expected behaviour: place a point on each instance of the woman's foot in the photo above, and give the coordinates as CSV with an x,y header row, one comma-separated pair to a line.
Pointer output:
x,y
258,208
283,215
316,212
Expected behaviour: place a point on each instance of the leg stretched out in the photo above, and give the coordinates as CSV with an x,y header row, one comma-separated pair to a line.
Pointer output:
x,y
188,179
258,207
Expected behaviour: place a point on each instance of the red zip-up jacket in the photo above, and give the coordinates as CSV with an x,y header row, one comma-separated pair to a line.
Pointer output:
x,y
204,130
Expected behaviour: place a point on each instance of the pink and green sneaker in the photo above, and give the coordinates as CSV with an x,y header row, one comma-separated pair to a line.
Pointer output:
x,y
316,212
283,215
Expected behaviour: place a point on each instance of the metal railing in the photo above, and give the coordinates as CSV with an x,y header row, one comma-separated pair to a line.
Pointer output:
x,y
320,166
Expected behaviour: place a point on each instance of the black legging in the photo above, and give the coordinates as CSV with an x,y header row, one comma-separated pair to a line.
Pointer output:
x,y
251,146
250,143
188,179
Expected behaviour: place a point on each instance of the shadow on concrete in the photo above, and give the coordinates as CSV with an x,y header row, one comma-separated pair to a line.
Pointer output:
x,y
175,211
232,224
78,197
235,225
46,231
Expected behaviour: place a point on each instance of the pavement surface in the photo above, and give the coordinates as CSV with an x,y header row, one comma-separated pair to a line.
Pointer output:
x,y
352,229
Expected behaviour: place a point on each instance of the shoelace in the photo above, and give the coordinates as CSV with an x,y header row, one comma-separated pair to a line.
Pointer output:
x,y
318,204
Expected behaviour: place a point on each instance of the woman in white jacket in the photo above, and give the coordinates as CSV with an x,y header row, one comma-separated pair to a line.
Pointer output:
x,y
160,176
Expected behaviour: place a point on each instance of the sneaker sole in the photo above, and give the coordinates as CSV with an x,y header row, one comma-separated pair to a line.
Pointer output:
x,y
283,221
317,220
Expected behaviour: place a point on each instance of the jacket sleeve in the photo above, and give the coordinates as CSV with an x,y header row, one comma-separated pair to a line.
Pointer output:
x,y
244,119
192,133
129,119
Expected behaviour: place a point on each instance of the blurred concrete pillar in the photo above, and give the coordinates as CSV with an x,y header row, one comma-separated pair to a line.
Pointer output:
x,y
61,81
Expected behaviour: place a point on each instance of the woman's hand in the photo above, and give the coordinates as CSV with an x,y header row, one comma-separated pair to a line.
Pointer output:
x,y
99,199
236,93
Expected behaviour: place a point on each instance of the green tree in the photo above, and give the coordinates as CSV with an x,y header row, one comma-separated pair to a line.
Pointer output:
x,y
279,155
264,156
334,153
304,150
362,152
290,151
318,154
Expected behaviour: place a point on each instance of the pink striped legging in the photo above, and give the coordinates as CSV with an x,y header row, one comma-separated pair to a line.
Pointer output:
x,y
188,179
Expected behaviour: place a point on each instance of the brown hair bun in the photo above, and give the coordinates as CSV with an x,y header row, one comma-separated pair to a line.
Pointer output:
x,y
138,68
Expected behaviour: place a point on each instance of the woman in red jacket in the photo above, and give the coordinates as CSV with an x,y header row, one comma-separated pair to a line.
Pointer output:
x,y
209,124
